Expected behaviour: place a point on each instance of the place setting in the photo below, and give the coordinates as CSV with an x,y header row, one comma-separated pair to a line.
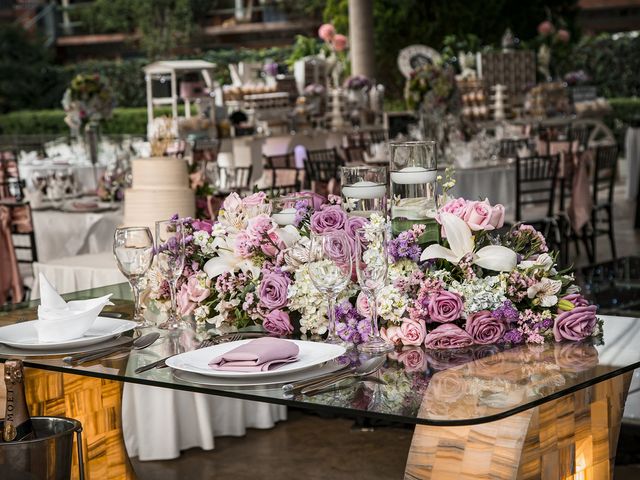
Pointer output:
x,y
63,328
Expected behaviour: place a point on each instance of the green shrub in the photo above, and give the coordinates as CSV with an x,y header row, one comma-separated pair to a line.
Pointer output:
x,y
132,121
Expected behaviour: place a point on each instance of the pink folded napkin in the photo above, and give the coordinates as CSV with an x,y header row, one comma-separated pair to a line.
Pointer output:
x,y
259,355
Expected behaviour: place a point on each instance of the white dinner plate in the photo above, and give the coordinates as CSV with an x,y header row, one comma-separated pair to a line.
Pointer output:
x,y
275,381
197,361
24,334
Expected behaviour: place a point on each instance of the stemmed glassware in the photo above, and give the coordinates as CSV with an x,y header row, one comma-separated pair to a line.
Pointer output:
x,y
330,267
133,249
170,258
371,270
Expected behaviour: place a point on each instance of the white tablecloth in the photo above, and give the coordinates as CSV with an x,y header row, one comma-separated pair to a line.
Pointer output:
x,y
79,272
632,154
497,183
62,234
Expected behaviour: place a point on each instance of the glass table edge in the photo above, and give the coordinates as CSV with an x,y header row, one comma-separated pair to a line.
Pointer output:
x,y
238,394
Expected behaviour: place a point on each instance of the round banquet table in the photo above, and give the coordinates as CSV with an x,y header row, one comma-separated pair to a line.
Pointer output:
x,y
66,234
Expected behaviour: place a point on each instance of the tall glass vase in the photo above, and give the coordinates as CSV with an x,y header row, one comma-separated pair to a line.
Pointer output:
x,y
91,140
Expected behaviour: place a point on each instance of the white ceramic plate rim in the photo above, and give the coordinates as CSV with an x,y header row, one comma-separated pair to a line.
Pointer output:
x,y
310,354
115,327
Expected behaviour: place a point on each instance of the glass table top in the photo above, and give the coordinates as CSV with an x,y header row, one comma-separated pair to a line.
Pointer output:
x,y
456,387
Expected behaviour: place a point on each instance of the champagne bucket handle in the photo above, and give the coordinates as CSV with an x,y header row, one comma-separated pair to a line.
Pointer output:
x,y
80,455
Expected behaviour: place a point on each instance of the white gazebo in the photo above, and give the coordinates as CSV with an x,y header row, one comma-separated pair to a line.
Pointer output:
x,y
174,69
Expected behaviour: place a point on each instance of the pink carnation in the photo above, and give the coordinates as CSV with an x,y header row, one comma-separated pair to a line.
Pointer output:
x,y
546,28
563,36
326,32
339,42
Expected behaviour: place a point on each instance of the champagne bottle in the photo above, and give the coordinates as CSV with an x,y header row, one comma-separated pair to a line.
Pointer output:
x,y
17,422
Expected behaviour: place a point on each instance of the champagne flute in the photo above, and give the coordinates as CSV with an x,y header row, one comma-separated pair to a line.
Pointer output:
x,y
330,267
371,270
133,249
170,257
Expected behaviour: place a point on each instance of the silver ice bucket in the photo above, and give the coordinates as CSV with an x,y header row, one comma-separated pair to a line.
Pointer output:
x,y
46,457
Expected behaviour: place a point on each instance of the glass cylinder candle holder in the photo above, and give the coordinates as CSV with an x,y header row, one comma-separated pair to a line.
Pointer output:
x,y
290,209
413,185
364,190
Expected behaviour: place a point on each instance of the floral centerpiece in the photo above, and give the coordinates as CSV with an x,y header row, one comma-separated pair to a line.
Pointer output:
x,y
432,87
87,100
478,286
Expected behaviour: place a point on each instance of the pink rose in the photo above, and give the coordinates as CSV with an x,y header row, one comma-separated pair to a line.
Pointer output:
x,y
278,322
243,246
576,324
273,290
447,336
339,42
260,226
391,334
326,32
546,28
456,206
412,332
444,306
477,215
497,216
484,328
329,219
362,305
196,292
232,203
202,225
254,200
563,36
185,306
413,359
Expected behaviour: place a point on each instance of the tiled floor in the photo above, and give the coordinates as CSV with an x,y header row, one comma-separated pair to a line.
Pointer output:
x,y
310,447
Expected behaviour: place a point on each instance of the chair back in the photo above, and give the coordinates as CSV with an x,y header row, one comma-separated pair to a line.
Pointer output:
x,y
285,176
354,154
10,280
509,147
322,165
235,178
11,185
604,174
205,150
536,179
579,135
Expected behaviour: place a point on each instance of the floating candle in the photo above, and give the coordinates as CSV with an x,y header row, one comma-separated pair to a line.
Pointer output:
x,y
413,175
364,190
286,216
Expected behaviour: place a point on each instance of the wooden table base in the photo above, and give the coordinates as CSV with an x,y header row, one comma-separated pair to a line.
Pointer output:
x,y
97,404
572,438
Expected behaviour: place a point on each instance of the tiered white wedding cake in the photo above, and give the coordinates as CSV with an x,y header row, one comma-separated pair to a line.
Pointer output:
x,y
160,188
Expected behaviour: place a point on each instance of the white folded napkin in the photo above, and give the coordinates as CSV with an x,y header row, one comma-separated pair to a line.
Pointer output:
x,y
60,320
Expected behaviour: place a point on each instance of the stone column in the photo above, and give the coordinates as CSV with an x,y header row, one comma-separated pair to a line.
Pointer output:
x,y
361,37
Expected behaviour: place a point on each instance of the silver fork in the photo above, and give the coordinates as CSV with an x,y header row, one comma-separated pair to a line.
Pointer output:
x,y
161,363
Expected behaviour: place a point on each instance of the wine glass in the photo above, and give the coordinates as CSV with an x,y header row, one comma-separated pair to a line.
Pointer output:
x,y
330,266
133,249
170,257
371,270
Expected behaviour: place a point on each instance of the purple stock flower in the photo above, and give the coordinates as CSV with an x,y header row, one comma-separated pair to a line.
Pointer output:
x,y
506,312
350,325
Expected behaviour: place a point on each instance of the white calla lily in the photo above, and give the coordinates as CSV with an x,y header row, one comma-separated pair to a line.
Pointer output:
x,y
460,237
224,262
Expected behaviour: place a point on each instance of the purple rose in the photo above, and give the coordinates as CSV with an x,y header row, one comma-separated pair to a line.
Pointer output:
x,y
447,336
202,225
339,248
444,306
317,199
277,321
329,219
576,324
575,357
484,328
353,224
576,299
273,290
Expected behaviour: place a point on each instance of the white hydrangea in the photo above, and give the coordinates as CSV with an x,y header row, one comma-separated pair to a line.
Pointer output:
x,y
312,305
392,304
403,268
205,241
201,313
486,293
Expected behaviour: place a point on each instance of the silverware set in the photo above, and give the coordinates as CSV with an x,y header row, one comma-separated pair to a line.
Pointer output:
x,y
127,344
323,382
